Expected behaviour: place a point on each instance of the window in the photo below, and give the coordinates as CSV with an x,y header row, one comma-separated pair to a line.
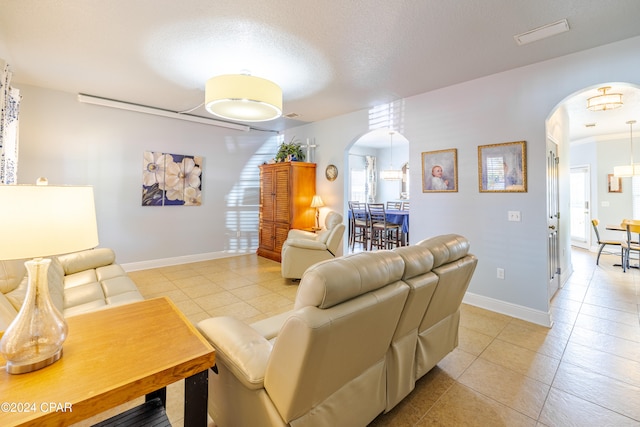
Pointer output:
x,y
358,185
495,173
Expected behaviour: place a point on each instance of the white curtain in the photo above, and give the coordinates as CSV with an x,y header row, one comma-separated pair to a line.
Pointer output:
x,y
372,179
9,104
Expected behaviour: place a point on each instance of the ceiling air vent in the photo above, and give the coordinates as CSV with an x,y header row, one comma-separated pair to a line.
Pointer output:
x,y
292,115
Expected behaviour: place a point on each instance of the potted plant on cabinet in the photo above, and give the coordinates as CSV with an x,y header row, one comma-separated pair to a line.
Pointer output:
x,y
291,151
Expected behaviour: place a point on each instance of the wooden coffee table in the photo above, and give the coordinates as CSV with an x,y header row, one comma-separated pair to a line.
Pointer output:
x,y
111,357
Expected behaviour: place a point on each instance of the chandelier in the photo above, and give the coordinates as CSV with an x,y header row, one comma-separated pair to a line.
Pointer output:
x,y
632,169
604,101
391,174
243,97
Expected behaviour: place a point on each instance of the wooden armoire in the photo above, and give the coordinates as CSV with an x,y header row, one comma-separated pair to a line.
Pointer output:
x,y
286,190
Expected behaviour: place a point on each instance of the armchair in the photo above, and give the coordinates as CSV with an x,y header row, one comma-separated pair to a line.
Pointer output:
x,y
302,248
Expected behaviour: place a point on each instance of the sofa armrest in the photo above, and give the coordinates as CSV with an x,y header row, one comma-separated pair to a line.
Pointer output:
x,y
270,327
306,244
239,347
301,234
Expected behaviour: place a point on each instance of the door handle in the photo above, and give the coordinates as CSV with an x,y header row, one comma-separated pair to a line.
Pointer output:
x,y
552,227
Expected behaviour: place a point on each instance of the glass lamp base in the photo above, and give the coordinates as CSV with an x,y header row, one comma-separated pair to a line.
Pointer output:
x,y
23,368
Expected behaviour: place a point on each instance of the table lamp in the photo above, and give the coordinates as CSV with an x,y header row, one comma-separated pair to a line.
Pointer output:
x,y
317,202
37,221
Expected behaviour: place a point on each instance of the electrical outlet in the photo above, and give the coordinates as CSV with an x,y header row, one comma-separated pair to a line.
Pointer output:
x,y
513,216
500,273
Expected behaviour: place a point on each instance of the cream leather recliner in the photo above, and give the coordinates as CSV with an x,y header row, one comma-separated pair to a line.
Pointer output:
x,y
327,366
322,364
302,248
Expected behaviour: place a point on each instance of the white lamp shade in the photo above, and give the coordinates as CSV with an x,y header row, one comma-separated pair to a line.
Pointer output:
x,y
44,220
317,202
391,174
243,97
626,171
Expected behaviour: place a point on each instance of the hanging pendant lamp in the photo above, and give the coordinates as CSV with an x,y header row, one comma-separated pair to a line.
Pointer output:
x,y
243,97
391,174
632,169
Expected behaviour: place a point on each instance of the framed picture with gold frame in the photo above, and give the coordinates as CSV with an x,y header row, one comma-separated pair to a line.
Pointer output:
x,y
614,183
440,171
502,168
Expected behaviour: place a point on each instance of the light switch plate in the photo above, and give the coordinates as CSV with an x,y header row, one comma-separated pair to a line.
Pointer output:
x,y
513,215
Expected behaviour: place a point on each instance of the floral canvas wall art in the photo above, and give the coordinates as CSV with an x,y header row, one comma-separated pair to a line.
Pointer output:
x,y
171,179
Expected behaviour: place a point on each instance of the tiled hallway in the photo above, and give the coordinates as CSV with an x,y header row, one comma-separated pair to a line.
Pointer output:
x,y
585,371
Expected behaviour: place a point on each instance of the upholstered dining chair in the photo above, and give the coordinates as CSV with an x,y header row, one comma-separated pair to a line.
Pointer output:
x,y
633,227
383,234
360,225
602,243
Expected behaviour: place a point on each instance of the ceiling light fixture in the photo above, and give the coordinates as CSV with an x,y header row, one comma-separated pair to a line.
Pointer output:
x,y
243,97
542,32
632,169
391,174
604,101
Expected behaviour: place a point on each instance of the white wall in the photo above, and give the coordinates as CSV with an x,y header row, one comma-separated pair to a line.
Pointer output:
x,y
505,107
74,143
602,155
81,144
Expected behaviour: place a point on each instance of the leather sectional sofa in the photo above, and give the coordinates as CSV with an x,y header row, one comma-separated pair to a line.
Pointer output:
x,y
364,328
78,282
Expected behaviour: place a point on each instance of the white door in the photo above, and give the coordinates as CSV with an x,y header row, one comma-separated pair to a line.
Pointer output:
x,y
553,213
580,206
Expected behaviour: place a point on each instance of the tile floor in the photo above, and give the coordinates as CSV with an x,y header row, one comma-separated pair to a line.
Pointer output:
x,y
585,371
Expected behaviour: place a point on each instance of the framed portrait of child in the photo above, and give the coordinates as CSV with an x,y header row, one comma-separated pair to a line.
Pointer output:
x,y
440,171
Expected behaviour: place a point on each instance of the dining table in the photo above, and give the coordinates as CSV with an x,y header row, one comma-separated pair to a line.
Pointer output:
x,y
399,217
394,216
620,227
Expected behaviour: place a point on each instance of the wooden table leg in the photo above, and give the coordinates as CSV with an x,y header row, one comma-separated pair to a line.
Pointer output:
x,y
196,393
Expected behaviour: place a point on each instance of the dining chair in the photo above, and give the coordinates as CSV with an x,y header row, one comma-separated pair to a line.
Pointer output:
x,y
394,205
603,243
405,206
632,226
359,225
383,234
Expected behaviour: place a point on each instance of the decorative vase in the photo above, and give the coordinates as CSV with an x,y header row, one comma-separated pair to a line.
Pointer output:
x,y
34,339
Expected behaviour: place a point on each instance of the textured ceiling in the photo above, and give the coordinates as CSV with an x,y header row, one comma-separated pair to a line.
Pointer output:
x,y
330,57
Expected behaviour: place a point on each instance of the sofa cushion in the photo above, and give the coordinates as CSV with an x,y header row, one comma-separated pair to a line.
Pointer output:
x,y
328,283
80,278
7,312
54,279
82,294
109,272
118,285
86,260
446,248
84,308
11,274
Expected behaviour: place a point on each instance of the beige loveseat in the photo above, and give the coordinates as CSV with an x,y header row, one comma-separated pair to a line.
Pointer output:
x,y
363,329
78,282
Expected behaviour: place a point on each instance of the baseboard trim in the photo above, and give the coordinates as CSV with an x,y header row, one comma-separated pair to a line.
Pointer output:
x,y
524,313
185,259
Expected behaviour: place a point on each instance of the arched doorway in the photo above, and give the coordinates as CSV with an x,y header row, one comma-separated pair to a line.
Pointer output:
x,y
599,140
365,158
